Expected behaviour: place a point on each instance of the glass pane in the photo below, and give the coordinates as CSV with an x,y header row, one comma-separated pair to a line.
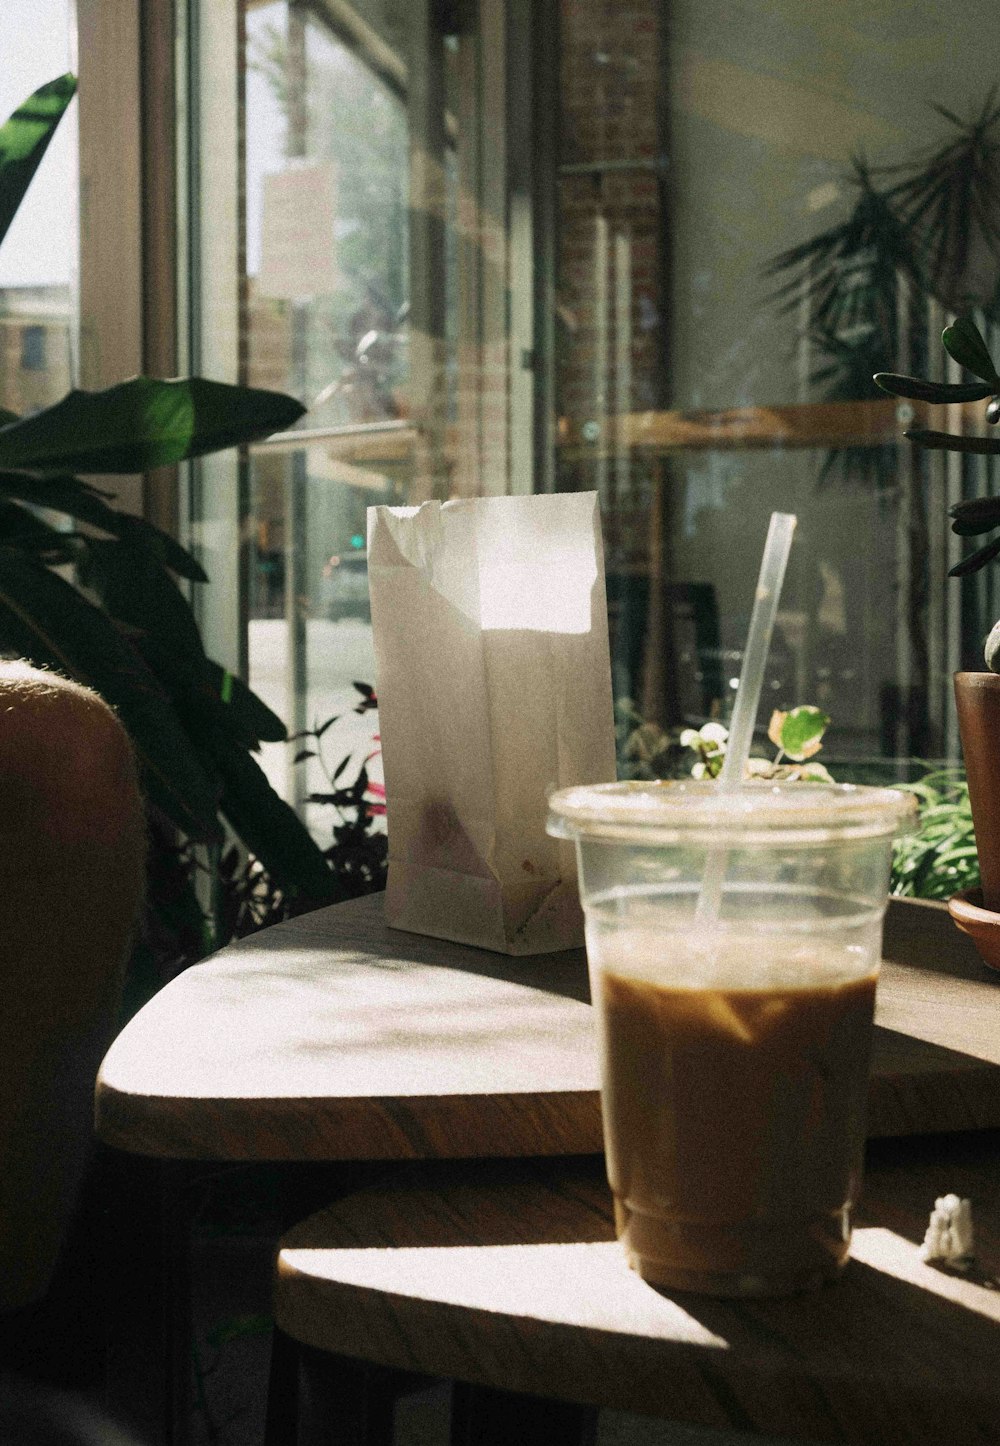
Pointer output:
x,y
699,142
38,258
351,303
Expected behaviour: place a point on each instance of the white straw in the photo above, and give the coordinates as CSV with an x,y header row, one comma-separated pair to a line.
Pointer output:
x,y
765,607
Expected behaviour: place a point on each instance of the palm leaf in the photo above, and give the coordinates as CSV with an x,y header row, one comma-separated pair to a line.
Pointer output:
x,y
85,503
946,198
253,720
137,591
24,139
979,513
952,442
20,528
915,389
976,560
142,424
963,341
48,621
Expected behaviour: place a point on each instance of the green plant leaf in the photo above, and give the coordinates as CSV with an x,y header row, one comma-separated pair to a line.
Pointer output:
x,y
85,503
137,591
142,424
965,527
939,857
50,622
963,342
915,389
271,830
801,731
977,559
953,855
20,528
24,139
137,532
255,722
980,514
951,442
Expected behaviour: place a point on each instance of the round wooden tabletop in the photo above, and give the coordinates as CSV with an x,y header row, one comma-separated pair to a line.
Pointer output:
x,y
333,1037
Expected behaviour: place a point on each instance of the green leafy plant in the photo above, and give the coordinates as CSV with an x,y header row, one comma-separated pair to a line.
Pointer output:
x,y
919,236
94,592
931,223
939,858
797,735
645,750
358,852
964,342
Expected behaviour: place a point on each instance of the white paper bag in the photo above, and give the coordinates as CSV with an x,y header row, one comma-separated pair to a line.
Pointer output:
x,y
494,687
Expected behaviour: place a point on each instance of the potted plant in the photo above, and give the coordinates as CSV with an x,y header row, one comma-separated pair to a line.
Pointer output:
x,y
98,594
977,694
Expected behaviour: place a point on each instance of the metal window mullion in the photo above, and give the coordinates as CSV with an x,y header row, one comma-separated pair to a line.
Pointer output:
x,y
160,232
518,73
545,112
469,260
296,146
212,255
493,207
427,214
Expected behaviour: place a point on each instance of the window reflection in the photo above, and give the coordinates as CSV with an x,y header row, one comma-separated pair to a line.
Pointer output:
x,y
548,253
698,142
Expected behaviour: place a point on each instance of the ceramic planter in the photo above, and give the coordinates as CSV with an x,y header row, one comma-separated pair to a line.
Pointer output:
x,y
977,911
977,696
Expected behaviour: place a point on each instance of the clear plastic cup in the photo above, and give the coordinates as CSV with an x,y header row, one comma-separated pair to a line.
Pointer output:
x,y
735,1046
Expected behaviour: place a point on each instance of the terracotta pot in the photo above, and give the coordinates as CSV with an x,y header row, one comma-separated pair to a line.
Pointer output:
x,y
977,696
981,925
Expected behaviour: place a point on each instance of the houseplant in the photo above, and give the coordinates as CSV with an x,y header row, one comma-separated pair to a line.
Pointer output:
x,y
977,694
919,241
96,593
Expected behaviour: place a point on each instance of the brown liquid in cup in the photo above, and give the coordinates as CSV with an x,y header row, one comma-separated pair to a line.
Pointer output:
x,y
734,1128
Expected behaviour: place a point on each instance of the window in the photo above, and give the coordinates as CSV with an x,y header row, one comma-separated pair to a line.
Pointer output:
x,y
500,246
375,235
699,143
38,260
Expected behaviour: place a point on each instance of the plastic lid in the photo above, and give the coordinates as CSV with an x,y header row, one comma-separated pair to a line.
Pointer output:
x,y
700,811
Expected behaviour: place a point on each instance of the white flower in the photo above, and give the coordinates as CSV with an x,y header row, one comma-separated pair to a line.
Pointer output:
x,y
709,738
714,733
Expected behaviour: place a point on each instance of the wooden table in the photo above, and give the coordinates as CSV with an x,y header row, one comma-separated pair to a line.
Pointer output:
x,y
507,1275
332,1037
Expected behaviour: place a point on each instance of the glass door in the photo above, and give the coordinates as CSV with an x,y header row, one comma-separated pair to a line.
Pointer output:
x,y
376,247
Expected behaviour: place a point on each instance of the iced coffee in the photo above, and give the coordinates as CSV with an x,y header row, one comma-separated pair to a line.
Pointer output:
x,y
736,1045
